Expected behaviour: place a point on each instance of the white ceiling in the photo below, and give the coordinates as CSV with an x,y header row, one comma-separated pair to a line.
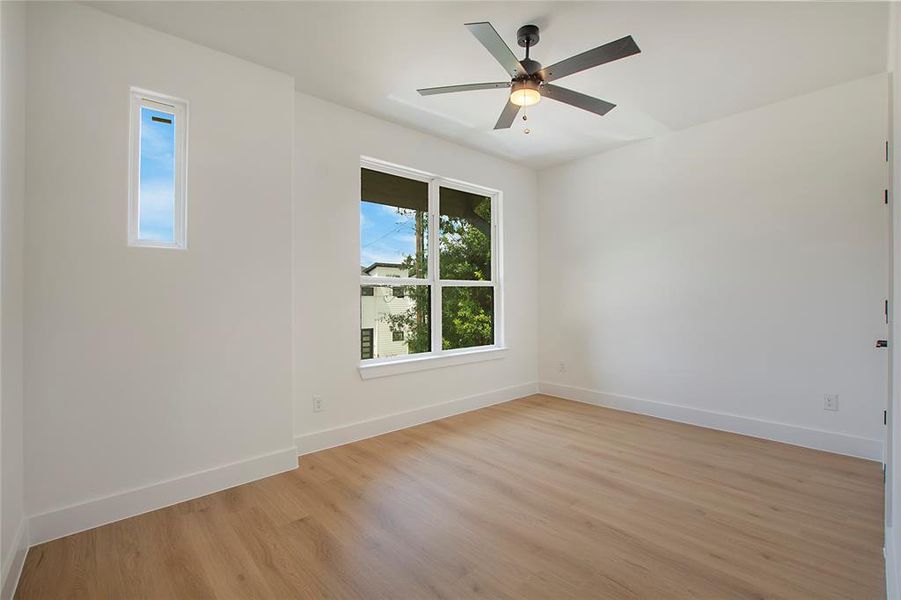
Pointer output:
x,y
700,60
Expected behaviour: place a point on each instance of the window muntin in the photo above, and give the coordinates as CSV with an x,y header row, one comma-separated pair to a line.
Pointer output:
x,y
465,300
157,171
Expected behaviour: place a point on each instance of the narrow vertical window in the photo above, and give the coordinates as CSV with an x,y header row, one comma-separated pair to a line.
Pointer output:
x,y
157,170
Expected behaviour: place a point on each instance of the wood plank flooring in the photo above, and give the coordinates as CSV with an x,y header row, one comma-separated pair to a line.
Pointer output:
x,y
535,498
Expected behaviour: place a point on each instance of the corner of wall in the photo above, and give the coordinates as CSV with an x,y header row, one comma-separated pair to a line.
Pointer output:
x,y
13,523
14,561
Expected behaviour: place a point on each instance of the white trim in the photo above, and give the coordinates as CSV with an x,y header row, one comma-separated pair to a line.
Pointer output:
x,y
12,565
383,281
338,436
891,566
369,281
374,164
383,367
497,268
179,110
464,283
830,441
100,511
434,270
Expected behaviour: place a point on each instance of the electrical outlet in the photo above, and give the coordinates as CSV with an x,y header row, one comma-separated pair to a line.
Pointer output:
x,y
317,404
830,402
561,367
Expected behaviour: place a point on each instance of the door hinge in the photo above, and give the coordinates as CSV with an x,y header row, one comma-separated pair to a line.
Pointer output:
x,y
885,417
886,150
886,311
886,196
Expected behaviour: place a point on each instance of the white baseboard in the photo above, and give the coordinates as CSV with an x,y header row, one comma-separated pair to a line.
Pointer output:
x,y
13,563
354,432
93,513
891,565
818,439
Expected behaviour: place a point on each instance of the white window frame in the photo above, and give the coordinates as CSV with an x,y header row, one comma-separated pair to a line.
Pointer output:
x,y
380,367
179,110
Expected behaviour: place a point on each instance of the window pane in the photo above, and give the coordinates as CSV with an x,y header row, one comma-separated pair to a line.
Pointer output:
x,y
393,325
465,235
157,185
467,317
394,230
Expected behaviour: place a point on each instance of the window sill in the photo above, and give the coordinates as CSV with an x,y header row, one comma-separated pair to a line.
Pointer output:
x,y
371,370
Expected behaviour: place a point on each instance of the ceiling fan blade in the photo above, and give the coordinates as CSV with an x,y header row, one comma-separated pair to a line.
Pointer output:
x,y
595,105
468,87
609,52
507,116
489,37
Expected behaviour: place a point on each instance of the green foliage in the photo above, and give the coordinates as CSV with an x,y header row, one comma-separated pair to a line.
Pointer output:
x,y
467,317
467,312
465,246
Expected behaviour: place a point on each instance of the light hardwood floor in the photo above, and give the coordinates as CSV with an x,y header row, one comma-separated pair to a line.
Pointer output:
x,y
535,498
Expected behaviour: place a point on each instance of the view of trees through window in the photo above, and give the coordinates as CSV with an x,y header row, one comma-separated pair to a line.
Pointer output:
x,y
394,234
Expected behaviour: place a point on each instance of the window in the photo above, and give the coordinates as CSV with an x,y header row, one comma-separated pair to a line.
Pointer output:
x,y
157,171
428,249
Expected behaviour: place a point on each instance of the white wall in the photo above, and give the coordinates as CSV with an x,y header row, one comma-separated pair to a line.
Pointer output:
x,y
12,206
329,142
146,365
736,270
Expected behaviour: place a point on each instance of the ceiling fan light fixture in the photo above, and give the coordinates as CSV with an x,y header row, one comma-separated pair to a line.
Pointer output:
x,y
525,93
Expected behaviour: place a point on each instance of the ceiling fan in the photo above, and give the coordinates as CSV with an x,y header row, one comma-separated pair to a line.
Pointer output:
x,y
530,81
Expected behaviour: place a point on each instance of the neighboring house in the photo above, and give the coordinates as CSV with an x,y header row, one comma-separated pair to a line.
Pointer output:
x,y
376,302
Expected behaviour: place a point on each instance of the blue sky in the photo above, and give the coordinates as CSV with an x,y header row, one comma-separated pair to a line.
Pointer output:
x,y
157,191
385,235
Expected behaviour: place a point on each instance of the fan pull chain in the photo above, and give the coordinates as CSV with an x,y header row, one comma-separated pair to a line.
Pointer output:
x,y
525,117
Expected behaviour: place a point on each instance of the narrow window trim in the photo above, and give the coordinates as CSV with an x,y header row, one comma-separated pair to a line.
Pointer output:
x,y
179,108
438,357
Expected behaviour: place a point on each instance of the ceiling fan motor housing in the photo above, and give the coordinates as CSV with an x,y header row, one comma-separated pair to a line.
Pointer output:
x,y
532,67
